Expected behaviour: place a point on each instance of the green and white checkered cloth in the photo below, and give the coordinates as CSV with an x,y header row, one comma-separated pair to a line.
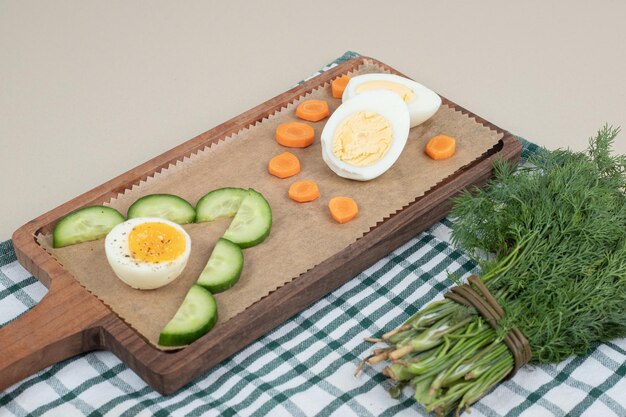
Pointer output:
x,y
305,367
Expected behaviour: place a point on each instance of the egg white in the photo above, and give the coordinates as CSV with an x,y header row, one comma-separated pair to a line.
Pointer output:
x,y
387,104
421,108
140,274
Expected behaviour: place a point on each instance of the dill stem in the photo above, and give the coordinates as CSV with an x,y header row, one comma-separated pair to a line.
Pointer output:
x,y
510,260
402,328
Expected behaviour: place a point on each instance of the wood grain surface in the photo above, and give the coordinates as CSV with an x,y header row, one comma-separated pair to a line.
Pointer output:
x,y
69,320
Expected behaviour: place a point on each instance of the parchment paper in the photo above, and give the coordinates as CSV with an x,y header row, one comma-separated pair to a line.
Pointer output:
x,y
302,236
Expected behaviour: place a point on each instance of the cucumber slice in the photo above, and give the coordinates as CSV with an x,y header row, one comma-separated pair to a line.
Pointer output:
x,y
194,318
223,268
164,206
223,202
83,225
252,223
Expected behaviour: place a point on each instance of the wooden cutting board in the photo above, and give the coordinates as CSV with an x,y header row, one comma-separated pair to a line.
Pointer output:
x,y
70,320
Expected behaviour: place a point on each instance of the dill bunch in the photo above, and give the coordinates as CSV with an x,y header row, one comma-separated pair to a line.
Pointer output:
x,y
565,216
556,234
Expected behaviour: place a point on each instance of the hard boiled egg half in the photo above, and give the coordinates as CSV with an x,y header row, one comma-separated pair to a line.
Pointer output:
x,y
146,252
365,135
422,102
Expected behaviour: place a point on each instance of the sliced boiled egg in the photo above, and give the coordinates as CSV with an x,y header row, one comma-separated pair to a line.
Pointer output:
x,y
146,252
422,102
365,136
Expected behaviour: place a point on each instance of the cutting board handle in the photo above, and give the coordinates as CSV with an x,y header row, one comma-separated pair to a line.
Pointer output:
x,y
65,323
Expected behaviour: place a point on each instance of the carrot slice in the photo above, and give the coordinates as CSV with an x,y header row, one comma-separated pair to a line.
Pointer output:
x,y
343,209
284,165
339,85
440,147
295,135
313,110
304,191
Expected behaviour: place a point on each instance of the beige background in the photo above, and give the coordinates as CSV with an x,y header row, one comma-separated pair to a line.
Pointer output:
x,y
90,89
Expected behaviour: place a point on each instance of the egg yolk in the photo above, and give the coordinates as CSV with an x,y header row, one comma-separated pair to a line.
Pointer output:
x,y
402,90
156,242
362,138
